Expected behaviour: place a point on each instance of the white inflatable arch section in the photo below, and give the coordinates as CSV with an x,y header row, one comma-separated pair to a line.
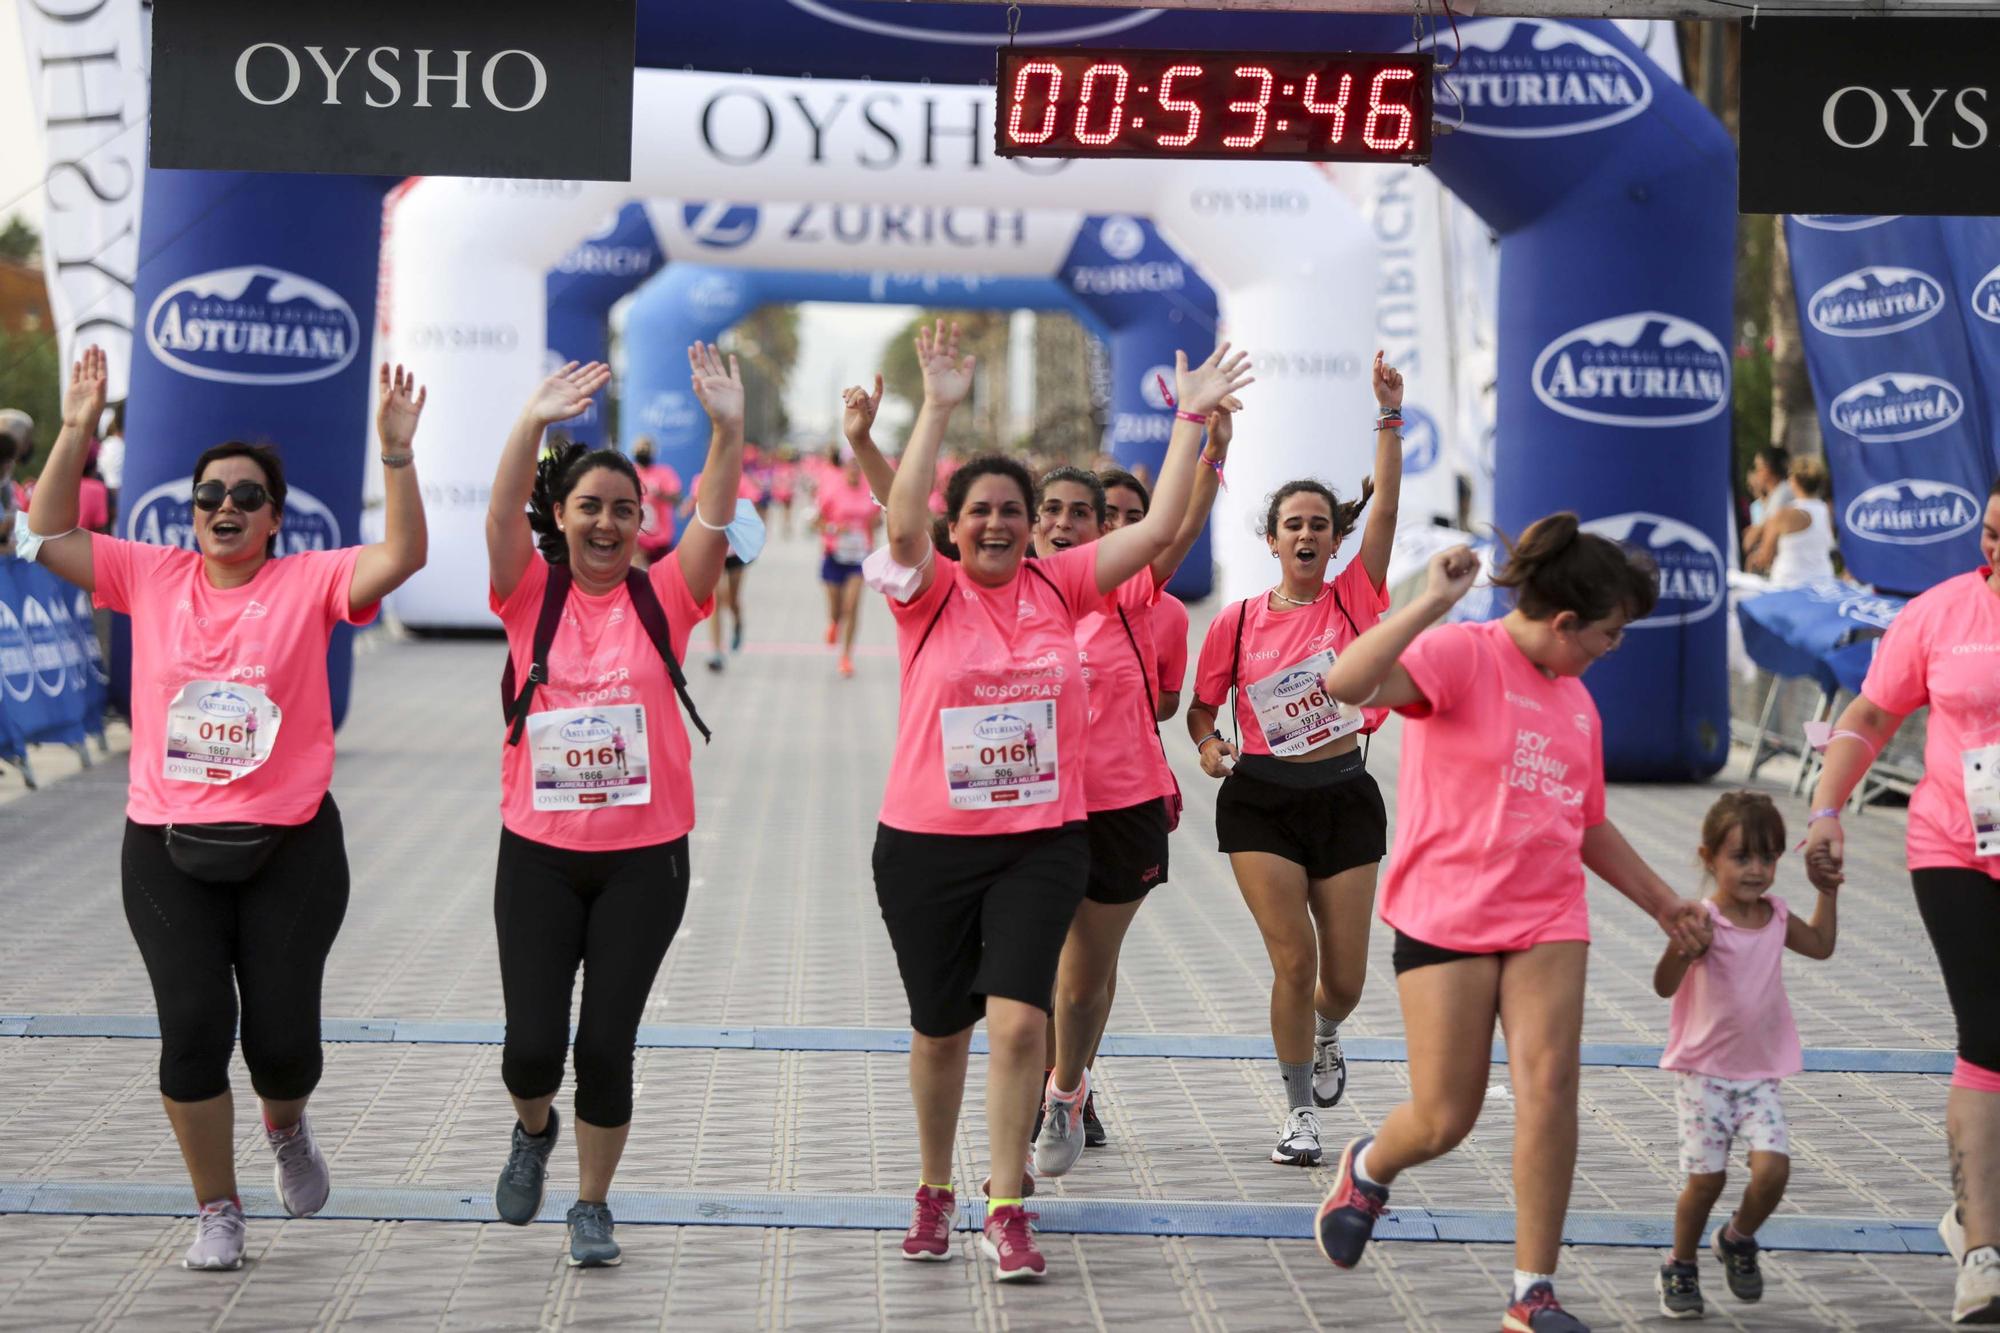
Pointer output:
x,y
1292,261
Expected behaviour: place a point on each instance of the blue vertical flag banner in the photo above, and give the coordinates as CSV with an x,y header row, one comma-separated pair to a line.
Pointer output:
x,y
584,286
48,690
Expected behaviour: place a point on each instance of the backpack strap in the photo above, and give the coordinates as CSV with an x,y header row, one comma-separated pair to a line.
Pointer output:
x,y
1042,574
1235,666
514,705
654,617
1152,704
943,602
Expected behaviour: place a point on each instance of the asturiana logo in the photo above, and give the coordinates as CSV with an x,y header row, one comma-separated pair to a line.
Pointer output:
x,y
253,325
1422,445
1519,78
1692,573
1297,683
1647,368
164,516
1875,300
1911,511
1897,406
1000,727
592,730
223,704
1986,297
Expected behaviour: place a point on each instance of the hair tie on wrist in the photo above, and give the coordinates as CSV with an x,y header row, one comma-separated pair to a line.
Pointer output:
x,y
712,527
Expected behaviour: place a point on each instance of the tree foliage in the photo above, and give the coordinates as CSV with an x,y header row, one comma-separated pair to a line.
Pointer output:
x,y
20,242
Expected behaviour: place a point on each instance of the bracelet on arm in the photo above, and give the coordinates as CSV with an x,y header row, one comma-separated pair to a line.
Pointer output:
x,y
1829,812
1203,742
1184,415
712,527
398,460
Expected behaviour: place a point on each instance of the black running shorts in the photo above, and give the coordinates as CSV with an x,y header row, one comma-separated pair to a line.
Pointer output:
x,y
1128,852
1326,829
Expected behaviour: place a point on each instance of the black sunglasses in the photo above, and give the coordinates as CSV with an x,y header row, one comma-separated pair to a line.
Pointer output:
x,y
247,495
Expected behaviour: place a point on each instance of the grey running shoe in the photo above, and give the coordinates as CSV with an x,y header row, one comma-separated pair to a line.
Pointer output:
x,y
1977,1300
1061,1139
218,1238
1739,1265
518,1196
1679,1286
590,1243
300,1177
1329,1070
1299,1144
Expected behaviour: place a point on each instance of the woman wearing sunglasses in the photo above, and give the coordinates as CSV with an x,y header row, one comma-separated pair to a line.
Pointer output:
x,y
234,867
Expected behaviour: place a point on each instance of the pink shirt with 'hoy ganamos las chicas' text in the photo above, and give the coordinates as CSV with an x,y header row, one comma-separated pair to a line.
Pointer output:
x,y
1007,658
1730,1017
1502,771
1125,766
1943,650
231,718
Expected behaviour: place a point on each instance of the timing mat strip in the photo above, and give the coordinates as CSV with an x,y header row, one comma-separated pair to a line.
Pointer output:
x,y
885,1212
1182,1046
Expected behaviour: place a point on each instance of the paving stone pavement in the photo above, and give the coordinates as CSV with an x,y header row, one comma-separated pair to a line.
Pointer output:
x,y
782,929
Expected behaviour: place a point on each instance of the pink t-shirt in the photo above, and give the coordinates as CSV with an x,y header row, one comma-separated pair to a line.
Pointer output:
x,y
603,657
1170,635
264,640
848,514
657,531
1502,772
1125,766
93,502
1943,649
992,647
1730,1017
1276,640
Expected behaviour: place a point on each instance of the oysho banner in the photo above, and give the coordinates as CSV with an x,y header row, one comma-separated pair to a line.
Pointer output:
x,y
512,88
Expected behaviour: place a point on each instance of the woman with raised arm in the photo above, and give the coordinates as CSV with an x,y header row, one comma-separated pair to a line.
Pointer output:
x,y
1499,810
981,856
1298,815
234,865
593,864
1942,652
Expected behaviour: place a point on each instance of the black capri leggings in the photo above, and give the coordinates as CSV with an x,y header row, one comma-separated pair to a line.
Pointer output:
x,y
1961,910
613,912
265,939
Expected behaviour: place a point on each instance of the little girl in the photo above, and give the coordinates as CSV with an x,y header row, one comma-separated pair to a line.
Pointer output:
x,y
1731,1039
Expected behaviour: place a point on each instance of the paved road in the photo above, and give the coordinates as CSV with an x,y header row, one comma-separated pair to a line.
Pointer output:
x,y
782,931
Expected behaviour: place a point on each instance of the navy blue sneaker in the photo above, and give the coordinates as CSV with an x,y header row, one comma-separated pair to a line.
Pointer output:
x,y
1347,1218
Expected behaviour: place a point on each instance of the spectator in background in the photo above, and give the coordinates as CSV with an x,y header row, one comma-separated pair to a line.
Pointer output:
x,y
19,427
1769,491
7,506
1795,543
111,454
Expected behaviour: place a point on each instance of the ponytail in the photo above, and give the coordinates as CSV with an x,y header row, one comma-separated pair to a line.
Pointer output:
x,y
1557,567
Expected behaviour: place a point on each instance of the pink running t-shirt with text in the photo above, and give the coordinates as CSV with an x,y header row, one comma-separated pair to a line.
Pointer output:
x,y
991,647
1502,771
269,635
1943,650
1170,635
1126,766
1730,1017
848,514
602,655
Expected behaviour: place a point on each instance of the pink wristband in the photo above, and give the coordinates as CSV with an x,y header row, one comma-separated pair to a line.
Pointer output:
x,y
1196,417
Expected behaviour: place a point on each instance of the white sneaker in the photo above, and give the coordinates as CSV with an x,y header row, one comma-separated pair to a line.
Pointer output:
x,y
1329,1070
300,1177
1299,1144
1951,1230
1978,1297
218,1238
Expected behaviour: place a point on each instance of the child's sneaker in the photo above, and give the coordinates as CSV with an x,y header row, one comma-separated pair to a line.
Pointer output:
x,y
1679,1286
1540,1312
1739,1265
929,1236
1010,1242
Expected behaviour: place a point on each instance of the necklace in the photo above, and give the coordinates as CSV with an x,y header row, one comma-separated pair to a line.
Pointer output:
x,y
1295,601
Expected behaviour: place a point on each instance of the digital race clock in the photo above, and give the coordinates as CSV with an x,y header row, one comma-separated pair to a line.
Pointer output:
x,y
1338,107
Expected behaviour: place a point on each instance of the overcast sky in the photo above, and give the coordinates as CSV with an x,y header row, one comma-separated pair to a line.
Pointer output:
x,y
20,141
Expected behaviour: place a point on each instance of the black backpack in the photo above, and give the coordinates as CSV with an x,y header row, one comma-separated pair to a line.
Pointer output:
x,y
514,705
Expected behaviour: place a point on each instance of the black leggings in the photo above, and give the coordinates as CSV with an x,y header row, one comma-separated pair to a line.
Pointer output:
x,y
1961,910
613,912
266,938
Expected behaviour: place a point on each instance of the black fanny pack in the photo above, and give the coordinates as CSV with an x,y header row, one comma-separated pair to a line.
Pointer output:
x,y
222,853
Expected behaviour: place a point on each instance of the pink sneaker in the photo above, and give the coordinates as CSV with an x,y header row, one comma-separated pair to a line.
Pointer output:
x,y
929,1236
1010,1242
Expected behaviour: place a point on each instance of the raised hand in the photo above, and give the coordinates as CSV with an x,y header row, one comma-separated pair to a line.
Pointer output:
x,y
719,387
568,392
1388,383
1222,428
1452,573
83,396
947,378
1202,389
402,406
860,409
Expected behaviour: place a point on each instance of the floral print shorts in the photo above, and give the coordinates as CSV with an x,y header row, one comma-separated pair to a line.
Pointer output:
x,y
1714,1112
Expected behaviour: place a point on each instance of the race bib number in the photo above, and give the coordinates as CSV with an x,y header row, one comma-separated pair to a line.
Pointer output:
x,y
1295,711
1004,756
218,733
850,547
1982,798
588,758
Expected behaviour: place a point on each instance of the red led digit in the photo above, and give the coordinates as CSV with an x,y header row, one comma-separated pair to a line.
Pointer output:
x,y
1188,105
1046,130
1116,126
1378,111
1337,108
1261,107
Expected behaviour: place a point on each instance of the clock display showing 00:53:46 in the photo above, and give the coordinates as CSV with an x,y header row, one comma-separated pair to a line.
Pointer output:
x,y
1329,107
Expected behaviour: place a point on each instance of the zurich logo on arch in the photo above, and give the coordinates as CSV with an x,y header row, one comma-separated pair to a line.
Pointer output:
x,y
1912,511
720,226
1693,576
253,325
1122,237
164,516
1875,300
1422,443
1986,297
1892,406
1648,368
1522,78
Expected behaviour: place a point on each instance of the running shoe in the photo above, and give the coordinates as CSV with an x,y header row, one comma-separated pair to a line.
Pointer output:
x,y
1978,1297
1347,1217
1951,1230
832,632
1093,1128
1010,1243
1298,1145
846,666
1679,1286
218,1238
1540,1312
929,1236
715,662
518,1196
1329,1070
1739,1265
590,1242
300,1176
1060,1142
